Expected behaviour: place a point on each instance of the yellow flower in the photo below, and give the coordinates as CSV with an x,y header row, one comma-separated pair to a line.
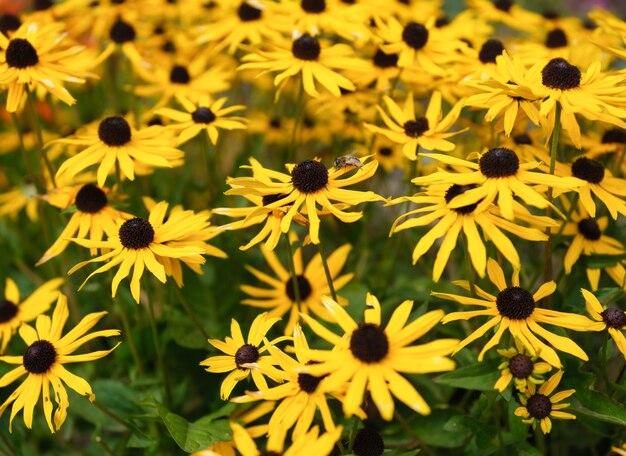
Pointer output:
x,y
244,358
141,243
204,115
515,309
115,141
520,366
312,285
93,217
371,357
613,319
35,55
309,184
429,132
310,58
540,406
48,350
13,312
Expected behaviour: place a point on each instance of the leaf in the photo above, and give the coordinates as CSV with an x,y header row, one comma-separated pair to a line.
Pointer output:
x,y
599,406
608,295
197,436
431,430
602,261
140,440
519,429
481,377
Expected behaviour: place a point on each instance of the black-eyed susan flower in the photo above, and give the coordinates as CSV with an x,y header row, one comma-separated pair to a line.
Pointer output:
x,y
115,141
243,358
506,12
14,312
598,180
589,239
371,357
36,56
210,116
191,81
515,309
309,444
43,362
420,44
436,206
301,394
613,319
92,220
196,239
308,185
140,243
22,198
595,95
281,298
244,22
310,58
429,132
541,405
499,174
520,367
620,451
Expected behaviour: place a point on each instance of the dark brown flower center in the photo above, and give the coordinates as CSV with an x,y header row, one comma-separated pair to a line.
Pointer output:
x,y
368,442
9,23
490,50
246,354
39,357
385,151
614,317
90,199
203,116
590,229
503,5
456,190
8,310
21,54
588,169
114,131
136,233
556,39
383,60
179,75
308,383
122,32
313,6
539,406
550,14
369,343
558,74
415,35
309,176
521,366
515,303
416,128
306,48
499,162
523,139
42,5
304,288
614,136
248,13
270,199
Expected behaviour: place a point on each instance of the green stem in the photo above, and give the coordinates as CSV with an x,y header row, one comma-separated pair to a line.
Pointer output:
x,y
129,335
100,441
8,444
604,361
191,314
409,430
292,271
159,353
114,416
540,440
37,128
468,265
297,120
329,277
554,146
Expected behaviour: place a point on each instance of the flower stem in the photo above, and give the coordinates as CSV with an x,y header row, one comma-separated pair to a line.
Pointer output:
x,y
29,168
292,270
554,146
127,331
191,314
329,277
37,128
159,353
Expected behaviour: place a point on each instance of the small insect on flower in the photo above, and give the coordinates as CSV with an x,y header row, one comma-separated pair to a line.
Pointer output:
x,y
347,161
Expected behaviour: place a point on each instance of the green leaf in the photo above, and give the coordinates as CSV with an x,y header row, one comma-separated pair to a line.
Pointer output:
x,y
602,261
431,430
599,406
608,295
140,440
192,437
480,377
519,429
